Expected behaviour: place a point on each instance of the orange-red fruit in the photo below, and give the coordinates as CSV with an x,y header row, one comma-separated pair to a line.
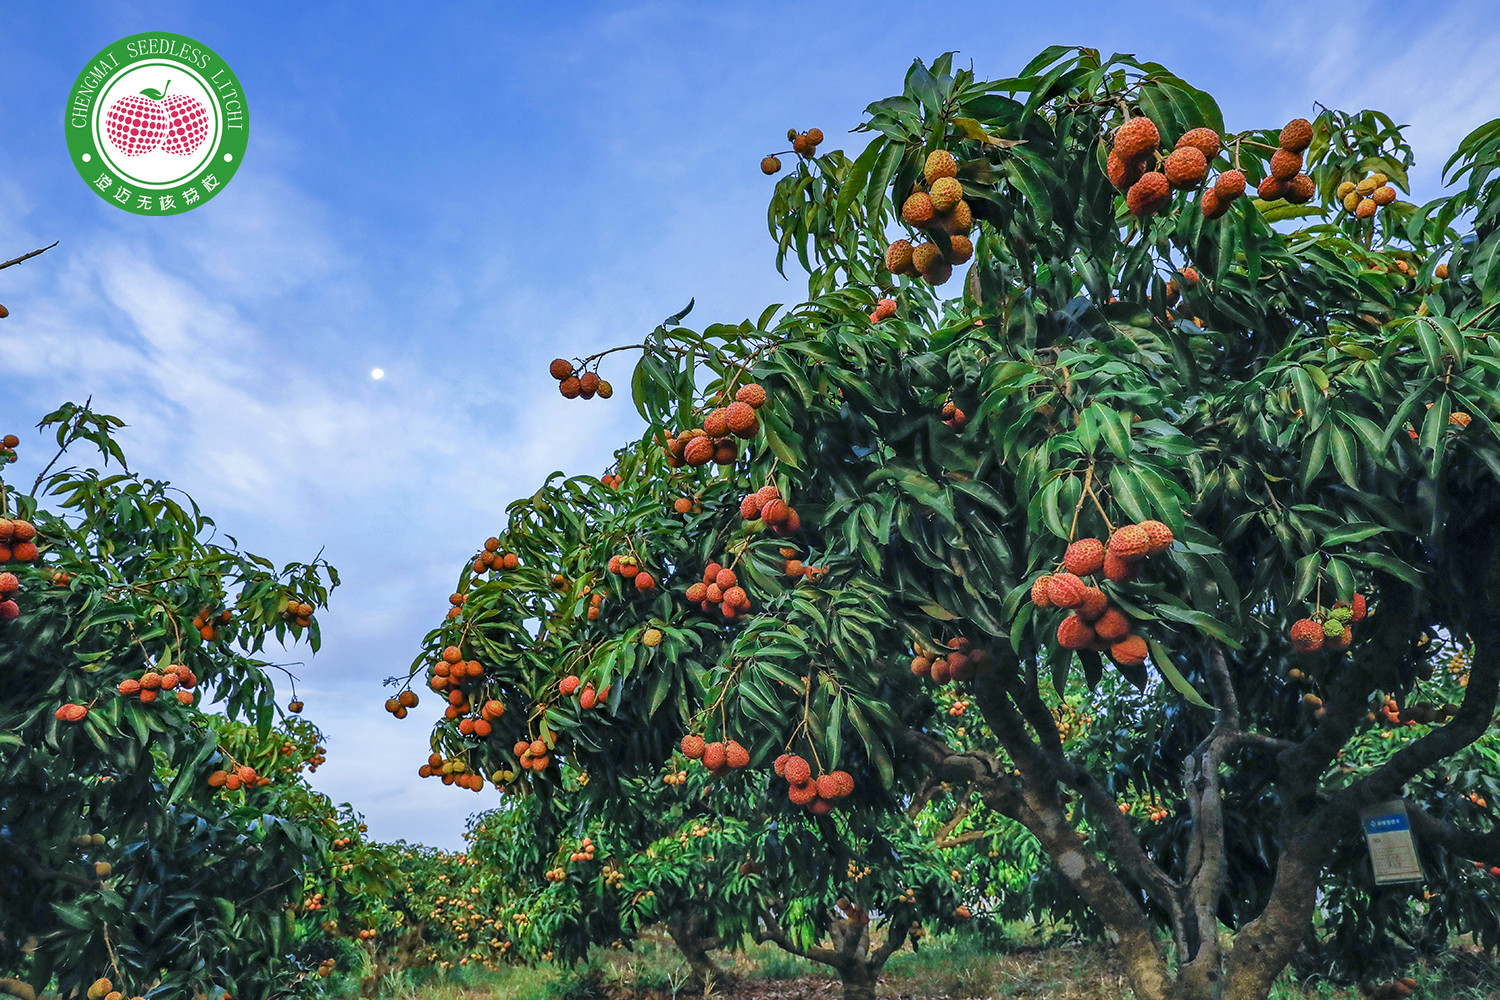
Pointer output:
x,y
1129,651
1148,195
1122,173
714,756
828,786
940,163
779,766
741,417
1285,165
1136,138
1094,604
716,424
1074,633
1186,167
776,512
1112,626
1117,570
917,211
1213,206
1040,595
1340,642
1084,557
1300,190
1065,590
568,685
845,784
1159,536
698,451
1130,542
921,666
1204,140
1271,189
1384,195
735,755
570,387
1229,185
1307,635
1358,607
1296,135
692,747
1365,208
645,582
72,712
898,258
752,395
802,794
797,771
560,369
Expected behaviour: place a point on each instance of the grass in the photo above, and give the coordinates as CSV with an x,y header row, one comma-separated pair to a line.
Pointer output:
x,y
953,966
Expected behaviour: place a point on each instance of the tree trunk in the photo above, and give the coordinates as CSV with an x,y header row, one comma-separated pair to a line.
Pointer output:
x,y
858,980
686,930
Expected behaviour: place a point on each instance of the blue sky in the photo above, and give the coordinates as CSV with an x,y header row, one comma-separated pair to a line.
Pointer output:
x,y
460,194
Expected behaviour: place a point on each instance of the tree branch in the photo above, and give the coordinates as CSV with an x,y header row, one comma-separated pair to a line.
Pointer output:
x,y
27,256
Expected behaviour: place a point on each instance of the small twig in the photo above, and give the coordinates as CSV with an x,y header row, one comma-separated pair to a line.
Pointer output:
x,y
27,256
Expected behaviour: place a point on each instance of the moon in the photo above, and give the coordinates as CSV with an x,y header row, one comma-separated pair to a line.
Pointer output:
x,y
377,373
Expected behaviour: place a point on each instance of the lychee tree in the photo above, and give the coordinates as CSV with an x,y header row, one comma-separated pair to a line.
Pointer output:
x,y
144,838
1237,452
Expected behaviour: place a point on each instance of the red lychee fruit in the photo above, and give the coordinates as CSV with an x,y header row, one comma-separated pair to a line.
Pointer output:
x,y
1307,635
751,395
1185,168
898,258
1112,626
1136,137
1158,535
742,419
1229,185
1094,604
1122,173
735,755
560,369
917,210
779,766
568,685
1084,557
1117,570
1065,590
714,756
1204,140
1340,642
945,193
1129,652
1129,542
570,387
645,582
135,124
697,593
797,771
1296,135
1074,633
1040,595
1284,165
72,712
698,451
716,424
187,124
1148,195
1300,190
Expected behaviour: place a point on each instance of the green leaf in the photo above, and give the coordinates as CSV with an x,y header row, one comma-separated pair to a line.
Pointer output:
x,y
1164,665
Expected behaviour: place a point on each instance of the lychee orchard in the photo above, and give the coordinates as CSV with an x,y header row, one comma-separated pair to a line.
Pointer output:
x,y
1113,525
1177,454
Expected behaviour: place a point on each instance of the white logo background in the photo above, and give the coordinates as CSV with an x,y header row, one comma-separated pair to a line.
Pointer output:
x,y
158,168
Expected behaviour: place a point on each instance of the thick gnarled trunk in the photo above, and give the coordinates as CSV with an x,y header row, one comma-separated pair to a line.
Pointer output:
x,y
688,931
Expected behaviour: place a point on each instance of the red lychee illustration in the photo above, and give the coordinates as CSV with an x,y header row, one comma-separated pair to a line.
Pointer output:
x,y
136,123
187,124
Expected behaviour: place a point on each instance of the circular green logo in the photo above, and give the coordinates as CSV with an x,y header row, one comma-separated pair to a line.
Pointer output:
x,y
157,123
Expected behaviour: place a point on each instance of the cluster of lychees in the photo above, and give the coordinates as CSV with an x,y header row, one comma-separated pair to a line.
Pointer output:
x,y
450,675
1094,623
9,585
884,309
1364,197
714,441
797,570
456,772
804,144
939,209
9,443
675,777
953,416
1328,629
587,852
102,988
962,661
1423,713
587,696
630,568
398,705
816,795
611,480
572,383
297,613
17,541
491,559
1286,179
766,504
237,777
151,683
207,621
1136,166
717,756
687,505
720,588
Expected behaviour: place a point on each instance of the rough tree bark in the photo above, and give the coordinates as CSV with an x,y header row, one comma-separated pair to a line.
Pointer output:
x,y
857,964
688,931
